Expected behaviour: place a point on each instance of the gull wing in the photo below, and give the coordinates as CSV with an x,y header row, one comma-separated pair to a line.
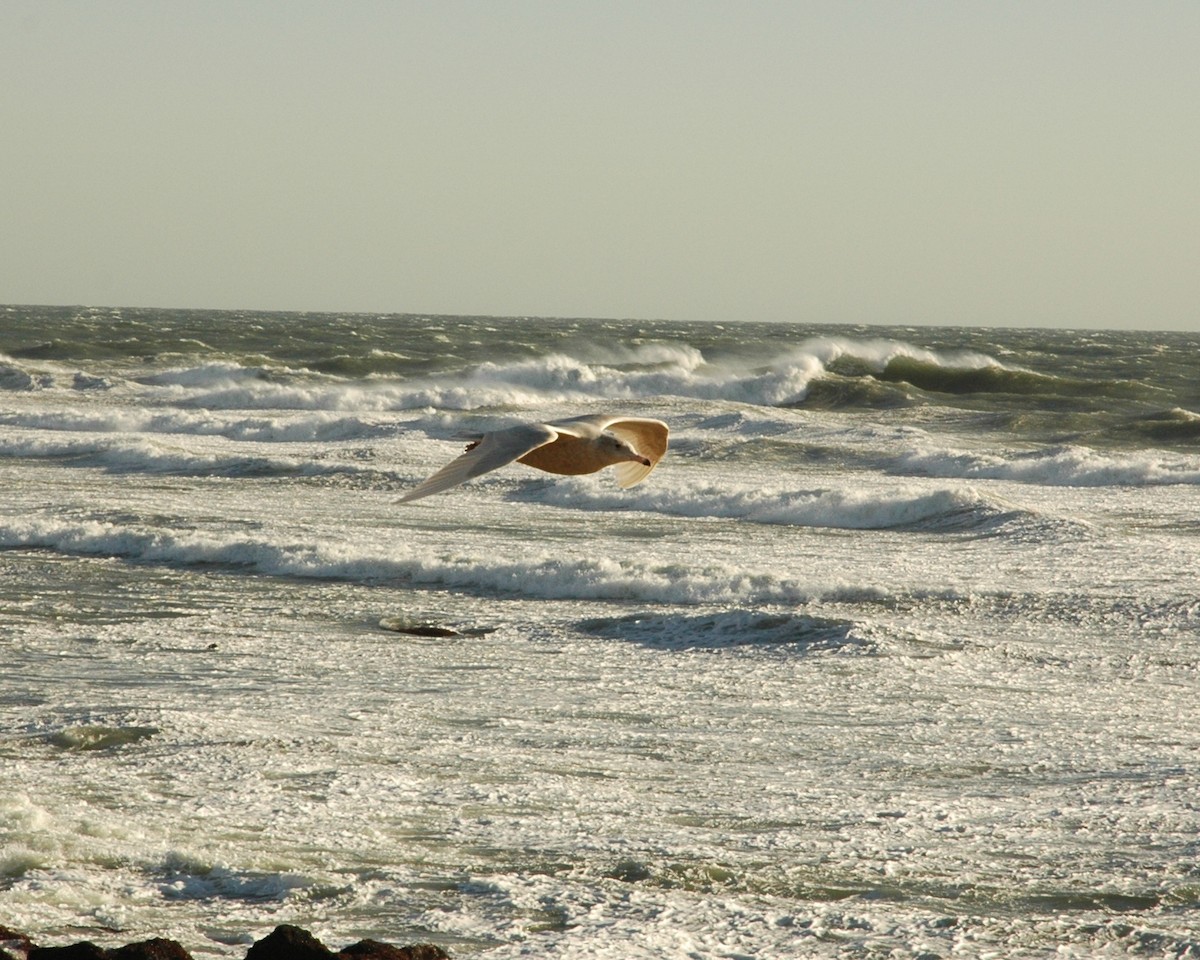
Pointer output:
x,y
493,451
647,436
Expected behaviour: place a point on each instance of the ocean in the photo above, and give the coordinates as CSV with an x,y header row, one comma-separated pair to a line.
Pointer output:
x,y
895,654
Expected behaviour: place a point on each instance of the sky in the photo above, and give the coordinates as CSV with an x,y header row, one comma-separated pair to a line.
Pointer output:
x,y
1006,163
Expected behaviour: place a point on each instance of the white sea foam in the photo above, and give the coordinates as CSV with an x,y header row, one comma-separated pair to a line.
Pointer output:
x,y
215,387
877,352
1056,466
560,377
135,454
289,428
619,372
783,698
947,508
538,574
649,371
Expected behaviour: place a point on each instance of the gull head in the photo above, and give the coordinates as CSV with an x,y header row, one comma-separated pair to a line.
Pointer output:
x,y
618,451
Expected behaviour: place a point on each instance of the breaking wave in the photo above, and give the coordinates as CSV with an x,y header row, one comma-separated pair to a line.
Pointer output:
x,y
830,372
1066,466
540,575
945,511
313,427
141,455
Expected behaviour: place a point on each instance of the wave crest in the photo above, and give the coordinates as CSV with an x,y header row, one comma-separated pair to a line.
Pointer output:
x,y
935,511
1064,466
544,575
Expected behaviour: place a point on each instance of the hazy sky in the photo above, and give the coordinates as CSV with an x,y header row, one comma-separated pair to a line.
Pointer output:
x,y
1009,162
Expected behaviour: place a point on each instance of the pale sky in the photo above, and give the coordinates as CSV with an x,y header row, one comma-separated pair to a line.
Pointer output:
x,y
1004,163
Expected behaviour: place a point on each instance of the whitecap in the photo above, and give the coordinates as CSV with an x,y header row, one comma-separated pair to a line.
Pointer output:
x,y
943,509
538,574
315,426
1069,466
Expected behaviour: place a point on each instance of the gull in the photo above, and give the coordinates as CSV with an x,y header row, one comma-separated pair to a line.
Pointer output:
x,y
634,445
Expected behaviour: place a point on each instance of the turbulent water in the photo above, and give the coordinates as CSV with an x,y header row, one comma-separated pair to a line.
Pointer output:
x,y
894,655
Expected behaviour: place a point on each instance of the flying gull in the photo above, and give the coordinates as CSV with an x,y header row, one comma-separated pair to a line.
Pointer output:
x,y
634,445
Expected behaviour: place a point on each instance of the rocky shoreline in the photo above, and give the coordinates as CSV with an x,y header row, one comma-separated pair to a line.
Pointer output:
x,y
285,942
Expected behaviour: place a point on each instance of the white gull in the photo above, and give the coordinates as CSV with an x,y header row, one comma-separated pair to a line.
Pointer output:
x,y
633,445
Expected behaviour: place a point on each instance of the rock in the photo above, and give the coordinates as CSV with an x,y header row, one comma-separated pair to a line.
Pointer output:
x,y
374,950
13,944
417,628
288,942
431,628
84,950
285,942
154,949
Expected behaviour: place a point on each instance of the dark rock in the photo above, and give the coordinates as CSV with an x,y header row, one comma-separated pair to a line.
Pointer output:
x,y
84,950
285,942
431,628
154,949
374,950
417,628
288,942
14,945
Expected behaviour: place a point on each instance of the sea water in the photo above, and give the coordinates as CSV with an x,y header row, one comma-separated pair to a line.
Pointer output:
x,y
895,654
